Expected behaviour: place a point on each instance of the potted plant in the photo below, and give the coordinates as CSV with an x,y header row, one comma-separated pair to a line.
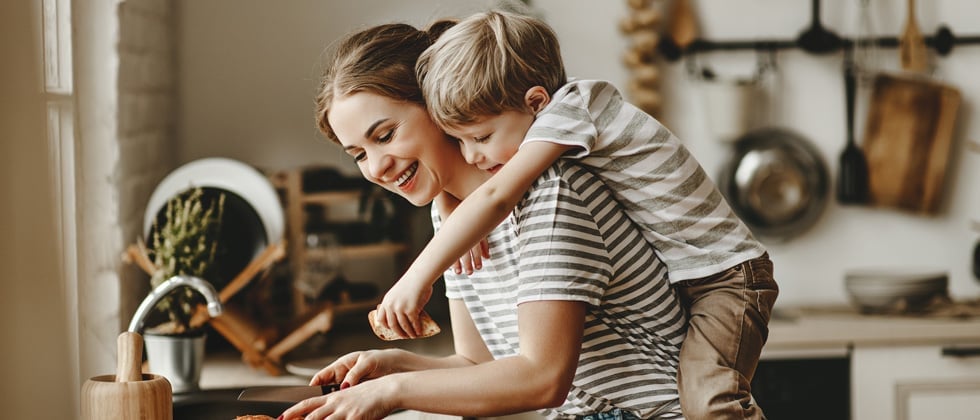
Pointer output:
x,y
183,242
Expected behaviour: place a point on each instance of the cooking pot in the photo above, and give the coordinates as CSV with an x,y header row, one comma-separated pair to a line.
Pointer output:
x,y
776,181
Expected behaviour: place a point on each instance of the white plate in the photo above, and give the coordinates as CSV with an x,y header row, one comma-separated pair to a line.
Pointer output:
x,y
225,174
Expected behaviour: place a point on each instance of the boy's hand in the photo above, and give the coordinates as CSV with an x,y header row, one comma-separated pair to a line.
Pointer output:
x,y
473,260
399,310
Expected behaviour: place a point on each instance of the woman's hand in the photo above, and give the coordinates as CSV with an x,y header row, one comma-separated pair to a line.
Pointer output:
x,y
363,401
369,400
355,367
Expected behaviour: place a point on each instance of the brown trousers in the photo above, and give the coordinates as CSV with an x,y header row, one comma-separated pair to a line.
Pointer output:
x,y
729,323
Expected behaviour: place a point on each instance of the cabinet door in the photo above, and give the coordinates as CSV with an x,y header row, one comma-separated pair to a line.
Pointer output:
x,y
915,382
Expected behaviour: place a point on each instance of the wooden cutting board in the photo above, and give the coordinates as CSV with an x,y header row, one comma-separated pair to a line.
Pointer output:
x,y
907,140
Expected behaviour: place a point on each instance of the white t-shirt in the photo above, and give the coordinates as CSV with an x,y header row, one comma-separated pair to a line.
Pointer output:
x,y
663,188
569,240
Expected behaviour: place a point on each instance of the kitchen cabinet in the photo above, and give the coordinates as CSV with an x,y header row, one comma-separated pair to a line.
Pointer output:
x,y
916,382
903,367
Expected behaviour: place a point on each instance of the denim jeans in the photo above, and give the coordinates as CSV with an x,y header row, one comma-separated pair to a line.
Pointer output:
x,y
729,324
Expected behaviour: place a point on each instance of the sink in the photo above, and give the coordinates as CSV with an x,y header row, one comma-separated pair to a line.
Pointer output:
x,y
221,404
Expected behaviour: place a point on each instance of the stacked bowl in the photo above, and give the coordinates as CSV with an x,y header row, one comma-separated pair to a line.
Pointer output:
x,y
895,291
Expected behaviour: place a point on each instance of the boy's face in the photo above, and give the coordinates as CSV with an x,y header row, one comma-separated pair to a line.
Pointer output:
x,y
491,141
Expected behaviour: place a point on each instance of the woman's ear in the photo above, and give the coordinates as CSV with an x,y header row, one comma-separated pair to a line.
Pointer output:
x,y
536,98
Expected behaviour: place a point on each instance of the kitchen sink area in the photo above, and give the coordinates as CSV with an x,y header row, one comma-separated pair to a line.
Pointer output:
x,y
224,375
221,403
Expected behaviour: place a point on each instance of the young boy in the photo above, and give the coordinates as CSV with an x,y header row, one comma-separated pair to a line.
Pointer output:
x,y
495,81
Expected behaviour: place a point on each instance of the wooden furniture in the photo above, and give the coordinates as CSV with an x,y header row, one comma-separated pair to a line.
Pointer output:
x,y
295,201
264,346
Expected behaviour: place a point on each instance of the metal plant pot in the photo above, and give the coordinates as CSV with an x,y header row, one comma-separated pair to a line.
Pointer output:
x,y
177,358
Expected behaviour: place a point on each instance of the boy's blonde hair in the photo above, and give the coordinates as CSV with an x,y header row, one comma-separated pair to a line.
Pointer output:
x,y
485,64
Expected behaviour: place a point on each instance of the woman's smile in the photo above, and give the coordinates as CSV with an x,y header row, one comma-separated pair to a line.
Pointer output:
x,y
407,176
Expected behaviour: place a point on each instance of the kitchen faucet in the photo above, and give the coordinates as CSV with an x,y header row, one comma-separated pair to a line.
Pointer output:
x,y
196,283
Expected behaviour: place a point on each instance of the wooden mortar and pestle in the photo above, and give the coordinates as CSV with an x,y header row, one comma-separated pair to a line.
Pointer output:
x,y
129,394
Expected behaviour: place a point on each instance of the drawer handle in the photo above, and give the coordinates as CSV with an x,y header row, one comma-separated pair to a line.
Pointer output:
x,y
961,351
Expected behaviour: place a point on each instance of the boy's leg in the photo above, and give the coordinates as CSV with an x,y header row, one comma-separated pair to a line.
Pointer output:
x,y
729,323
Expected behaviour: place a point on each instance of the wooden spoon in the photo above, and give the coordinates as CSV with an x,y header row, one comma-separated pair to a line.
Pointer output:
x,y
912,47
683,24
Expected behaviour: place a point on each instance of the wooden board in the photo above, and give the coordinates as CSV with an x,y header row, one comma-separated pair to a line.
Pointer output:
x,y
908,136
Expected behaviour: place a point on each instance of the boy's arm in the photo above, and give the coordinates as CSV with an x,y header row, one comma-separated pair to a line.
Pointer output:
x,y
475,217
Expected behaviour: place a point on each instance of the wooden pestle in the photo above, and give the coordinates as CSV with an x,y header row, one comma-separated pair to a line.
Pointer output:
x,y
128,394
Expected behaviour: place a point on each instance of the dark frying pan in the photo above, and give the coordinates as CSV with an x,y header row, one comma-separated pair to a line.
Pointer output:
x,y
776,181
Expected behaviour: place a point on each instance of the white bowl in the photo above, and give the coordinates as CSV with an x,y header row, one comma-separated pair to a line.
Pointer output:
x,y
882,290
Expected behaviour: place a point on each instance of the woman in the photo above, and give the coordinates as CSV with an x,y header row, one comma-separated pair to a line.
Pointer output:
x,y
571,314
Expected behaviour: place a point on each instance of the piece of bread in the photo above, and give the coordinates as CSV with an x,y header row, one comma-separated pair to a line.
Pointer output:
x,y
255,417
429,327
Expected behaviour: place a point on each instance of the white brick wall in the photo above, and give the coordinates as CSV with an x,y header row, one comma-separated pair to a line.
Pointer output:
x,y
146,120
126,106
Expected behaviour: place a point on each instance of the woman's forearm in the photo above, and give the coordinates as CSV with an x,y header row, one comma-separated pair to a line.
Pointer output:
x,y
539,377
502,387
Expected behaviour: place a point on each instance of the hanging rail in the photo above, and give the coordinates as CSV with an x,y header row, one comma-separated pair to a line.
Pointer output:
x,y
943,42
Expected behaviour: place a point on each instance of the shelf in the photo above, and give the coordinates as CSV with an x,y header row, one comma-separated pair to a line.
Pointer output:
x,y
331,197
363,251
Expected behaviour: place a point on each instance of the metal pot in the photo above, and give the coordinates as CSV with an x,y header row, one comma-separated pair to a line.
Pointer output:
x,y
776,181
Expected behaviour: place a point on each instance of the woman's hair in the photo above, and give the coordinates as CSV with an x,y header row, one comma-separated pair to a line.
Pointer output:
x,y
485,64
379,60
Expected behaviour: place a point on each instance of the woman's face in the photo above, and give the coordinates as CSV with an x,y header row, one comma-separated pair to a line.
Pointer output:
x,y
396,145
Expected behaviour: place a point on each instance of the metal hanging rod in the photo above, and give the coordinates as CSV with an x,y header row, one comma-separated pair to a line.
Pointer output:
x,y
942,42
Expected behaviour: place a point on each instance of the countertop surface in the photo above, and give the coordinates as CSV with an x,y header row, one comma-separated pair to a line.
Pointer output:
x,y
841,326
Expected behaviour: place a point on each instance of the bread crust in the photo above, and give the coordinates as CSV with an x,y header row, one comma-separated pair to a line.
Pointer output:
x,y
429,327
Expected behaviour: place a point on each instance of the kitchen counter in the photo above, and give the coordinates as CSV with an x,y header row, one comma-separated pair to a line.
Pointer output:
x,y
832,328
813,330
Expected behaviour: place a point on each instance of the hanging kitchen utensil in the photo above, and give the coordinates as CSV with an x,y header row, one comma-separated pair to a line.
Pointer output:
x,y
912,47
817,39
865,45
908,136
683,24
776,181
682,30
852,180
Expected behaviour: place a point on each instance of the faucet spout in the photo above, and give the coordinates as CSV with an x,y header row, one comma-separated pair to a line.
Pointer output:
x,y
159,292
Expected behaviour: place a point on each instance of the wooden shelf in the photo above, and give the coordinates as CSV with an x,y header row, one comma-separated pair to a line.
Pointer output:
x,y
318,317
380,249
331,197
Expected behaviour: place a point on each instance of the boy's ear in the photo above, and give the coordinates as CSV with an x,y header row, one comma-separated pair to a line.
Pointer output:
x,y
536,98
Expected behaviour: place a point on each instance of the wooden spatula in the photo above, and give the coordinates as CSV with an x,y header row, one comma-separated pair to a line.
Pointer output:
x,y
912,46
683,24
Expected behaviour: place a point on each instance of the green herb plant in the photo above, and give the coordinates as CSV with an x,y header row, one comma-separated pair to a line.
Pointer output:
x,y
186,245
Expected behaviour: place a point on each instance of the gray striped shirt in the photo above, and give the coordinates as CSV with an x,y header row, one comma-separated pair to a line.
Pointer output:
x,y
568,239
663,188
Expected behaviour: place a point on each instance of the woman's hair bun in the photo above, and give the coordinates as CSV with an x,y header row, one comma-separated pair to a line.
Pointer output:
x,y
436,29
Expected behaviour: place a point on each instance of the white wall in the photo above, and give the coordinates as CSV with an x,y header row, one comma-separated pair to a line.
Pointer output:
x,y
247,70
36,363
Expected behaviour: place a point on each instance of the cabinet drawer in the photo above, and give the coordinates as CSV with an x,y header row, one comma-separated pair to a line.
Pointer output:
x,y
916,382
